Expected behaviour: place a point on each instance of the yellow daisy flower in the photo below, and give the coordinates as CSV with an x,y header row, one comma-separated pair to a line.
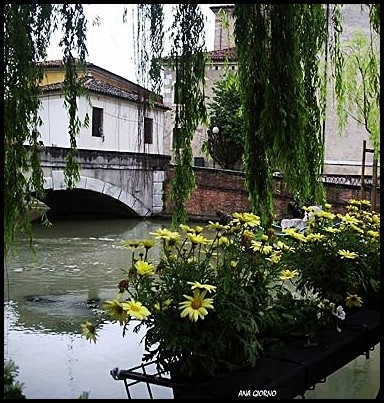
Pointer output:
x,y
288,274
353,300
116,311
187,228
196,307
332,230
223,240
315,237
136,309
275,257
283,246
89,331
131,244
144,268
148,243
197,239
256,245
198,229
207,287
347,254
246,219
216,226
166,234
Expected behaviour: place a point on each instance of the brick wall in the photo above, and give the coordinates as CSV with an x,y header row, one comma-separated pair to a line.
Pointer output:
x,y
224,190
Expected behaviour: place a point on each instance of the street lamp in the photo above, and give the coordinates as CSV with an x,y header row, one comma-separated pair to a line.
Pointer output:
x,y
215,130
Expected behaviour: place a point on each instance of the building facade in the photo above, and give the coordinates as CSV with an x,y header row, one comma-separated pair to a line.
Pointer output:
x,y
120,117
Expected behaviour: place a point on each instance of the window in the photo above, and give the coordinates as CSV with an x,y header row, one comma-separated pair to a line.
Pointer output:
x,y
175,134
97,122
176,93
198,161
148,131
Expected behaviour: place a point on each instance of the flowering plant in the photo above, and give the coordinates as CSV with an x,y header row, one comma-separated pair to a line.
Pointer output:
x,y
337,255
216,298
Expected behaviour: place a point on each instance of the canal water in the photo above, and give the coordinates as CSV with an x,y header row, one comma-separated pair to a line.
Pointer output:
x,y
48,295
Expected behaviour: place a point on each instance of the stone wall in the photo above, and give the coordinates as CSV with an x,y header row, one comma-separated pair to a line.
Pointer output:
x,y
225,190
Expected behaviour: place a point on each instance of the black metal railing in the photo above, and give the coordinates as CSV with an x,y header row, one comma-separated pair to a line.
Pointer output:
x,y
287,373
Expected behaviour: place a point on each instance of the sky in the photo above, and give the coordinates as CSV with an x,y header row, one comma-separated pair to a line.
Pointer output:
x,y
110,45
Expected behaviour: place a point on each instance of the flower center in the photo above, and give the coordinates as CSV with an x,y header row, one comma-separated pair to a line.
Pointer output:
x,y
196,304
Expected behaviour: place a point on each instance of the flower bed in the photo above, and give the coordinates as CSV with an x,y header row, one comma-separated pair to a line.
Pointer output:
x,y
224,297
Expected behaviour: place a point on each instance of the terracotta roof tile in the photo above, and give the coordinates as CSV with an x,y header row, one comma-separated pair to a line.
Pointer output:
x,y
102,88
222,54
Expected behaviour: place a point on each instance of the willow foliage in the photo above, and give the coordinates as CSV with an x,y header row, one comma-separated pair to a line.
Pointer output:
x,y
278,47
73,44
188,58
27,31
252,45
150,44
360,86
356,64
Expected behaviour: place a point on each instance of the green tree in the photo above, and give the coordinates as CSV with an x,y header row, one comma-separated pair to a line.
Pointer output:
x,y
358,95
225,112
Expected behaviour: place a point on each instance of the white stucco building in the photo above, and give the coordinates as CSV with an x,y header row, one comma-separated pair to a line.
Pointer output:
x,y
119,119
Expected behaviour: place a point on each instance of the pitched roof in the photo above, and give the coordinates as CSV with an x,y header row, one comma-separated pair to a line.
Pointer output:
x,y
100,86
222,54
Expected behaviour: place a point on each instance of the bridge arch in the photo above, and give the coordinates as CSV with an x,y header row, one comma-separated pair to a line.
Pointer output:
x,y
56,183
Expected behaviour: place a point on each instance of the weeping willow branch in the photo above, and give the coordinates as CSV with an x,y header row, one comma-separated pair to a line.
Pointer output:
x,y
27,30
157,47
374,16
150,44
278,48
188,58
337,59
74,27
252,46
362,85
357,76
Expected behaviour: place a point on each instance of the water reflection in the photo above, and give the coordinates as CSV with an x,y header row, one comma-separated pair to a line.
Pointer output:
x,y
77,265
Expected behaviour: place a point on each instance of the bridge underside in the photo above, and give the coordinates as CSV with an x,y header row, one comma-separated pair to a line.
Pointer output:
x,y
84,204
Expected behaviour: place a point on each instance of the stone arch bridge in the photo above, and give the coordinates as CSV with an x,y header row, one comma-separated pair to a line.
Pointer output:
x,y
111,183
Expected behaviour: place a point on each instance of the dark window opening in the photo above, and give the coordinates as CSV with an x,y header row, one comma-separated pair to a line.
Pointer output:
x,y
97,122
176,93
148,131
175,134
198,161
